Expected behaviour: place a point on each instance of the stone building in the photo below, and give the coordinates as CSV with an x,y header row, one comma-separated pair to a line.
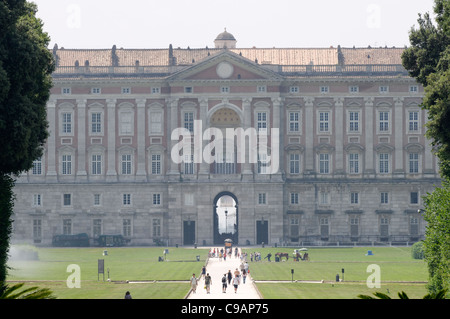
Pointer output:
x,y
344,159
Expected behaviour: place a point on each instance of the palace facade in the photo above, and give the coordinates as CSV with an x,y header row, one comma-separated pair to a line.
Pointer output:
x,y
345,161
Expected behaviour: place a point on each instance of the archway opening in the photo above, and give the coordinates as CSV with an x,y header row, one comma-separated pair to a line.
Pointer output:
x,y
225,218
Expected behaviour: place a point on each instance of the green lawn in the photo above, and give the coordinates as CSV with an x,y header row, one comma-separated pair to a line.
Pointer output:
x,y
169,280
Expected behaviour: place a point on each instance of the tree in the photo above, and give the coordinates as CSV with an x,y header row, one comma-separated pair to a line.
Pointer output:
x,y
428,61
26,65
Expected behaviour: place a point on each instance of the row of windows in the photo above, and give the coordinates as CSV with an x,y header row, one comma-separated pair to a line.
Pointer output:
x,y
384,122
354,198
354,163
126,200
97,227
260,89
126,122
229,164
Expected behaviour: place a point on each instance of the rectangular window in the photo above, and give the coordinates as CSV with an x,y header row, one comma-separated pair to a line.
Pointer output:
x,y
156,122
96,227
354,198
37,166
96,164
66,123
37,200
189,164
294,122
97,199
414,198
384,198
353,89
225,89
324,163
262,163
262,199
156,90
262,121
294,89
413,89
384,89
323,198
188,89
66,164
384,121
261,89
324,89
96,123
156,164
413,163
156,224
126,199
126,123
294,198
66,91
353,122
37,229
67,227
189,121
96,90
324,118
413,124
384,163
294,163
126,164
157,199
126,90
354,163
126,227
67,199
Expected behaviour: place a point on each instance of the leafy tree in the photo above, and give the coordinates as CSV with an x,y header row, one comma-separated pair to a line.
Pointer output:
x,y
11,292
402,295
428,60
26,65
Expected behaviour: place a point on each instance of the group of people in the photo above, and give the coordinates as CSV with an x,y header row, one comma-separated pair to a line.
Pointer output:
x,y
223,253
230,278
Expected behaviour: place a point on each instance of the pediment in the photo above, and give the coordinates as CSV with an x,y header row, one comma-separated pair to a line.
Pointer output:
x,y
225,66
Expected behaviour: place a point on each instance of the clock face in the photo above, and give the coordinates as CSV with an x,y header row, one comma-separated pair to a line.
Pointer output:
x,y
224,70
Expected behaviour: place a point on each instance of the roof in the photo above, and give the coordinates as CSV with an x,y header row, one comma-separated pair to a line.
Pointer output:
x,y
275,56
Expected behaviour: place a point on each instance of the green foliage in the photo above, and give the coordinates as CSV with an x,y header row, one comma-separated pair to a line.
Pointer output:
x,y
402,295
11,292
26,65
437,239
6,210
417,250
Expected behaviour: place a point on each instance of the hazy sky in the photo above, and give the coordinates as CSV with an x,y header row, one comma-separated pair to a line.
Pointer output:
x,y
260,23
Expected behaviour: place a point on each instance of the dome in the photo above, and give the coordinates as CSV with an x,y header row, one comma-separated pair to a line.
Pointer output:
x,y
225,40
225,36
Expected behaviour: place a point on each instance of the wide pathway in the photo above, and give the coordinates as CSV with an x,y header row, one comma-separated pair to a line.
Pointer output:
x,y
216,268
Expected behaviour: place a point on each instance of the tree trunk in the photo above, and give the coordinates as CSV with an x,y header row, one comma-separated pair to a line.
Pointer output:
x,y
6,210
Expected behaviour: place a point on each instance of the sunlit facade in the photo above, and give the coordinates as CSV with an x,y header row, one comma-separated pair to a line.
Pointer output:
x,y
347,162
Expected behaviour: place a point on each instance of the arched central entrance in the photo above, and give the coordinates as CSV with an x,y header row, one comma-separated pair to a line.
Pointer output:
x,y
225,210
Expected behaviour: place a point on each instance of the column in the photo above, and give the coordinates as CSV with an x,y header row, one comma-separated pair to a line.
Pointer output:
x,y
173,108
309,135
247,110
81,144
339,129
429,157
277,154
204,167
398,136
370,119
111,173
51,175
141,174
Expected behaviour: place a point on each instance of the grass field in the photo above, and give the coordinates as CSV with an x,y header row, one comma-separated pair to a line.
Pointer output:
x,y
169,280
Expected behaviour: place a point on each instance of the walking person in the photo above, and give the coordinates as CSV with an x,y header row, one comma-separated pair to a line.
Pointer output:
x,y
208,283
203,272
224,283
128,295
244,276
236,283
194,283
229,276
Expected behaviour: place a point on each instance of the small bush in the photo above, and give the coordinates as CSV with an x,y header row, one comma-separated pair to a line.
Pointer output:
x,y
417,250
